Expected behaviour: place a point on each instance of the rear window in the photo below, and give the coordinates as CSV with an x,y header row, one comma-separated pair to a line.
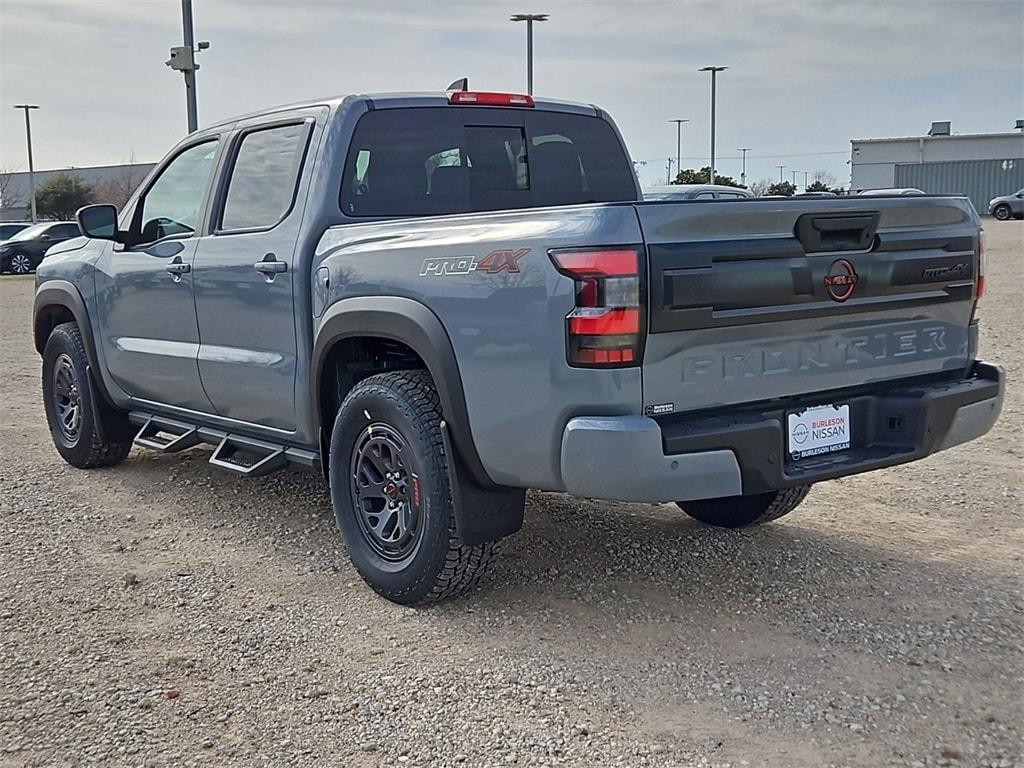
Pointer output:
x,y
64,231
414,162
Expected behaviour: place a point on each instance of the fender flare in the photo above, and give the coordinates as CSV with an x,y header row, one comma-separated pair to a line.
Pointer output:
x,y
411,323
61,293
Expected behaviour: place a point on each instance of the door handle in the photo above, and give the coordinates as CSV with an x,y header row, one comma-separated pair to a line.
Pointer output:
x,y
177,268
270,266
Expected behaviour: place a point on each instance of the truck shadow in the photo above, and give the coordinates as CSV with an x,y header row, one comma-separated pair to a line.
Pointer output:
x,y
612,565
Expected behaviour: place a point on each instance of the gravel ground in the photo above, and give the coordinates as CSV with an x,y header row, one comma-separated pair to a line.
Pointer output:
x,y
162,613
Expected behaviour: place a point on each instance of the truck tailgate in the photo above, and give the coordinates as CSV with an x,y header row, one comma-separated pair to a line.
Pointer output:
x,y
762,299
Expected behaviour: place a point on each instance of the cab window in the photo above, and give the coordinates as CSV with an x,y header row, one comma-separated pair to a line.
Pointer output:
x,y
171,205
262,184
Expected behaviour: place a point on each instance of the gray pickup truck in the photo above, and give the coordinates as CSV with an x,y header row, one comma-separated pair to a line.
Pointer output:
x,y
441,300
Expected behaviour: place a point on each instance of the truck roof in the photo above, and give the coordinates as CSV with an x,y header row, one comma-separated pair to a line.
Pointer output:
x,y
394,100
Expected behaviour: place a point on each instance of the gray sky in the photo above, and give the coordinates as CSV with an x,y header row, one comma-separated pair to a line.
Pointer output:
x,y
805,77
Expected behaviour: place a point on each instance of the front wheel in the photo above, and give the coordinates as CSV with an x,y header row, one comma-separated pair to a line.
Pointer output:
x,y
391,495
80,428
1002,212
740,511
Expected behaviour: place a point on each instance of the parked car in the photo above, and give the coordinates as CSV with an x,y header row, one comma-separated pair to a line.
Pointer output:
x,y
441,300
11,228
696,192
1008,206
894,192
22,253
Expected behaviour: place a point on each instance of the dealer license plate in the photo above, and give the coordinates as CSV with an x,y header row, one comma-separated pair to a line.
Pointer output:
x,y
814,431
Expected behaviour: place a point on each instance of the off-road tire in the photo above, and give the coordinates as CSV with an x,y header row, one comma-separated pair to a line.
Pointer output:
x,y
439,566
741,511
1002,212
86,448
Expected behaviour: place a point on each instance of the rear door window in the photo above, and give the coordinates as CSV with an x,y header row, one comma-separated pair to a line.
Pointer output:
x,y
263,180
412,162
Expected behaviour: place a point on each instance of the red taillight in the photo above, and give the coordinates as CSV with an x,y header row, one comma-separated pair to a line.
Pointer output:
x,y
490,99
598,263
604,322
604,328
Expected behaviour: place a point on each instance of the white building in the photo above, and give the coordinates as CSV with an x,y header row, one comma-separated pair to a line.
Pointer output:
x,y
978,165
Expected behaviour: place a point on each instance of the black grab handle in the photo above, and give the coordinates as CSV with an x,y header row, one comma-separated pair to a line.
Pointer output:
x,y
837,232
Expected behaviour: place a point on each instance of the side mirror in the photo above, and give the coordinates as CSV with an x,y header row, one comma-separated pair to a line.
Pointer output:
x,y
45,238
98,221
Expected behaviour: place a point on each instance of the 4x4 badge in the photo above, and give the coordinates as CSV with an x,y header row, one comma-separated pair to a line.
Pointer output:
x,y
841,280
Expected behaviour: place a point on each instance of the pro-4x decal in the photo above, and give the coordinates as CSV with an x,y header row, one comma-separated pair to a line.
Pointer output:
x,y
501,260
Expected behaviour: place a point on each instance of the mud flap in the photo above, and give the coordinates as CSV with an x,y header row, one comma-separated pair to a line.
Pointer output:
x,y
481,514
111,424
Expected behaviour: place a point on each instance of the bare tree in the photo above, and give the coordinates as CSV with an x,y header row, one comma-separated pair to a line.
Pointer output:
x,y
119,187
10,197
826,178
760,188
824,182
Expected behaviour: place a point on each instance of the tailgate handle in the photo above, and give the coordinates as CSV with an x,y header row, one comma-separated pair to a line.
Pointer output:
x,y
837,232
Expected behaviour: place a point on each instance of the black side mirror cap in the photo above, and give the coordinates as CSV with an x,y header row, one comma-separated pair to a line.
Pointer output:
x,y
98,222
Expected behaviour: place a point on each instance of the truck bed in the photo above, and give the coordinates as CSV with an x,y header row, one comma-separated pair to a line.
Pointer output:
x,y
734,309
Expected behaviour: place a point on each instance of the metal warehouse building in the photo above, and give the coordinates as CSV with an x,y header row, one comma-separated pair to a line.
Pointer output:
x,y
978,165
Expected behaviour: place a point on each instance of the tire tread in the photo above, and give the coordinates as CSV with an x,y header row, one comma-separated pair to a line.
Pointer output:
x,y
464,566
743,511
99,453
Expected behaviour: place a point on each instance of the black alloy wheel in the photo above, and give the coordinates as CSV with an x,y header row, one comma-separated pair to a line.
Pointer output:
x,y
383,481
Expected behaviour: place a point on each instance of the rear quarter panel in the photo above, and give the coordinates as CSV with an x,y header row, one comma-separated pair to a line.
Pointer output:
x,y
506,324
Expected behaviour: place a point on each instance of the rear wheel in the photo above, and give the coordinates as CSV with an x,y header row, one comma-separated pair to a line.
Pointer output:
x,y
390,492
740,511
77,424
21,264
1002,212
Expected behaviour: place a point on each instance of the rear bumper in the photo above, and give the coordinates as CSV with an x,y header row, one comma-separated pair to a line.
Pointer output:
x,y
743,451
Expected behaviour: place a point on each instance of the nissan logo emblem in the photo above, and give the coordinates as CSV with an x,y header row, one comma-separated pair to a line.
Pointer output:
x,y
840,280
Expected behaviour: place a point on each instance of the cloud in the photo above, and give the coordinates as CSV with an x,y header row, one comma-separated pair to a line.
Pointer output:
x,y
805,77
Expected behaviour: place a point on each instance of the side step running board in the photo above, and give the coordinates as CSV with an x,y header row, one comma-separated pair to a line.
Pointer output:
x,y
233,452
248,457
179,436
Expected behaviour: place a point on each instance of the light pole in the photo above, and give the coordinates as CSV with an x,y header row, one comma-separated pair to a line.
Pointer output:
x,y
183,59
743,173
794,178
668,172
781,169
714,71
679,143
529,18
806,173
31,167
